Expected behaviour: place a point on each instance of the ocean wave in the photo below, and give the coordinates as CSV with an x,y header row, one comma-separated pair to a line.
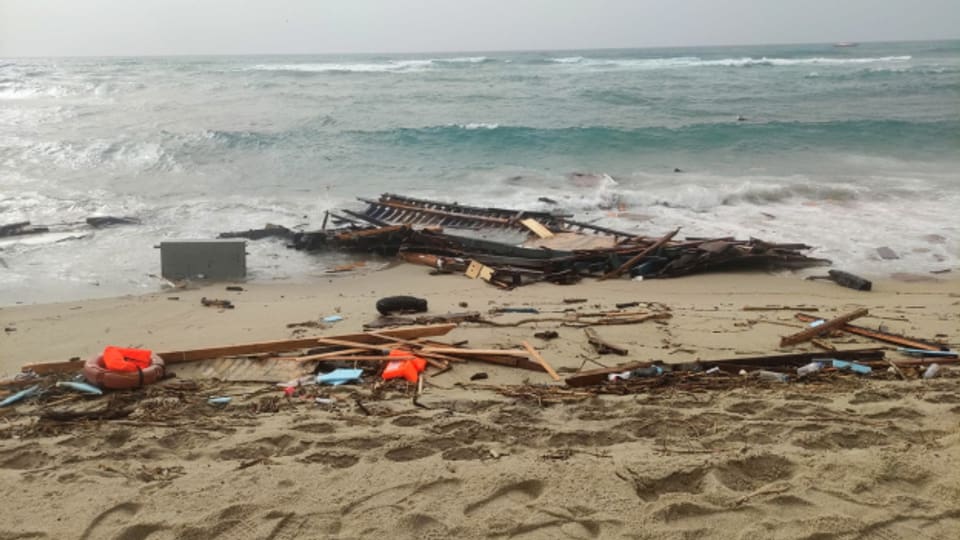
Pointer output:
x,y
693,61
389,66
862,135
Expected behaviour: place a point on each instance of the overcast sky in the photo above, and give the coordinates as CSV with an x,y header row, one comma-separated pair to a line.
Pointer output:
x,y
158,27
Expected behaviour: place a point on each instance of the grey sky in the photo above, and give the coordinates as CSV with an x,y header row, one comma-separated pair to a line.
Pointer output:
x,y
156,27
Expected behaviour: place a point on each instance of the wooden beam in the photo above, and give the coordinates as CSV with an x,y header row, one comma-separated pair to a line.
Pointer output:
x,y
636,258
886,337
194,355
536,356
598,376
475,352
827,326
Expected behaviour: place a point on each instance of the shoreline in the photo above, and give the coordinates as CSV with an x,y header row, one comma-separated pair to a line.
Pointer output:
x,y
175,319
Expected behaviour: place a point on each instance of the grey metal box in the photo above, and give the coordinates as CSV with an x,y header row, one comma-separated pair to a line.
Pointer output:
x,y
203,259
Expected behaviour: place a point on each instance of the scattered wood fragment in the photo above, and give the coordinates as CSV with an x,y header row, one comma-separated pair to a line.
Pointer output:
x,y
823,344
194,355
780,308
536,228
885,337
639,256
540,360
597,376
602,346
792,360
827,326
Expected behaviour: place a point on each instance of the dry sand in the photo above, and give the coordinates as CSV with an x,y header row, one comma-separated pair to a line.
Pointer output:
x,y
851,459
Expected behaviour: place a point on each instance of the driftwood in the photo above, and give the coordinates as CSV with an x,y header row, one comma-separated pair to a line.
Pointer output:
x,y
602,346
827,326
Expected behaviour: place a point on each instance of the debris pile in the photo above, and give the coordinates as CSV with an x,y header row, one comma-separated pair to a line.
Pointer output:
x,y
533,246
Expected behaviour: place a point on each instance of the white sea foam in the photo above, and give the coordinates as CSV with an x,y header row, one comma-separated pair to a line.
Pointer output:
x,y
387,67
693,61
478,125
392,66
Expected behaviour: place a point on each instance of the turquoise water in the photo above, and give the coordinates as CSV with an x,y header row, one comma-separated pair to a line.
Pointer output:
x,y
776,141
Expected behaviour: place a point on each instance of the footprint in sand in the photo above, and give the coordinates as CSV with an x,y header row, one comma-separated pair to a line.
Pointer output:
x,y
510,494
112,518
753,472
334,459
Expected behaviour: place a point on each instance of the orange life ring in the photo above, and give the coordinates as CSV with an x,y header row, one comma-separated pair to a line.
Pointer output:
x,y
96,373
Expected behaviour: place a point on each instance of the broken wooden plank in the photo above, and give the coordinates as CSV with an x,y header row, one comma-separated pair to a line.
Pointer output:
x,y
827,326
823,344
779,308
536,356
630,320
477,269
602,346
597,376
639,256
194,355
536,228
475,352
885,337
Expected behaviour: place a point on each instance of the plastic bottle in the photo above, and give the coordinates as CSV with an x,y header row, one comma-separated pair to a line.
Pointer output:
x,y
622,376
932,371
713,370
651,371
772,376
809,369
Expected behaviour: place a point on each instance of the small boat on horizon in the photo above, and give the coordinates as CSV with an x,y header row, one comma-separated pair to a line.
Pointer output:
x,y
844,44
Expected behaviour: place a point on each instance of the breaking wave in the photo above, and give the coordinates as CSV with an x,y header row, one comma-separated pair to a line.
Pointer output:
x,y
693,62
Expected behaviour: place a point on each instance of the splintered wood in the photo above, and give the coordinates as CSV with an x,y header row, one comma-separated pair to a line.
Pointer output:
x,y
827,326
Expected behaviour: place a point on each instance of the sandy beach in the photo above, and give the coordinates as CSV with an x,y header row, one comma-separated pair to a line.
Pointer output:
x,y
846,458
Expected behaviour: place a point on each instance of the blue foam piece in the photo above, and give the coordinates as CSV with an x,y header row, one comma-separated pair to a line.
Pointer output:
x,y
339,376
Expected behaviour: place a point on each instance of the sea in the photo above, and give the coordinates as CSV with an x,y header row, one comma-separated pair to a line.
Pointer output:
x,y
847,149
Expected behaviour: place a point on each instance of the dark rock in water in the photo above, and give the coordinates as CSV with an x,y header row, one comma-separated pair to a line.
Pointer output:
x,y
270,230
677,169
401,304
846,279
547,200
887,253
21,228
106,221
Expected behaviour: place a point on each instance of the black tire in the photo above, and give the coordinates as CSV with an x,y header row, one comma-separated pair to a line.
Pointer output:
x,y
401,304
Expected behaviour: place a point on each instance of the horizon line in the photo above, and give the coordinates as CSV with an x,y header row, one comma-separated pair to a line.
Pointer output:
x,y
479,51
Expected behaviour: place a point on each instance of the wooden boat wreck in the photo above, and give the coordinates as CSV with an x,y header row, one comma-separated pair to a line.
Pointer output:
x,y
513,247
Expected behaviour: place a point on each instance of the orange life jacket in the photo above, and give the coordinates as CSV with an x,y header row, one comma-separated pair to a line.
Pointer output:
x,y
408,369
121,359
